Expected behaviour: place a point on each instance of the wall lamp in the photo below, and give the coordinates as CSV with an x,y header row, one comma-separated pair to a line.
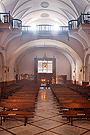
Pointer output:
x,y
81,70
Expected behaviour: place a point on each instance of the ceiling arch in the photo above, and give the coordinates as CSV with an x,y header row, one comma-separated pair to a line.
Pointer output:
x,y
34,49
38,14
45,43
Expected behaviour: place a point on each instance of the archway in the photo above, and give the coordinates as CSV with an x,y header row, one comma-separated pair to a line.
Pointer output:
x,y
67,51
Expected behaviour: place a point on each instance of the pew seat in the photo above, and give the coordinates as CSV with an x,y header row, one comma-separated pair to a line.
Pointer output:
x,y
76,114
16,114
19,106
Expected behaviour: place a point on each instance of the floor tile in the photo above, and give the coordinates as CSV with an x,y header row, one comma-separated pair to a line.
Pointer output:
x,y
82,123
1,129
9,123
46,114
28,129
36,118
26,132
59,119
5,133
47,124
68,130
88,133
48,133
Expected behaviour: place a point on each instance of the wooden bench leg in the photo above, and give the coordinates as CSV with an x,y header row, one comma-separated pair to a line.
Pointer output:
x,y
71,121
25,121
1,120
4,118
87,118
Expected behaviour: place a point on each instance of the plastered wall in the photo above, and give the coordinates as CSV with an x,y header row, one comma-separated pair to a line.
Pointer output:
x,y
26,63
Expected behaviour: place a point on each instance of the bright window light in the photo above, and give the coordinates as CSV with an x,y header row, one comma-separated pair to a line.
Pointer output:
x,y
55,27
33,27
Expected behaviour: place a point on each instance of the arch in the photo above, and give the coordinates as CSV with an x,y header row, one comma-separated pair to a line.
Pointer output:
x,y
45,43
41,43
79,38
30,15
87,8
2,7
54,50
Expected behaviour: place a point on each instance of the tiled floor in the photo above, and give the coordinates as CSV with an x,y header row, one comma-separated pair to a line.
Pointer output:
x,y
47,120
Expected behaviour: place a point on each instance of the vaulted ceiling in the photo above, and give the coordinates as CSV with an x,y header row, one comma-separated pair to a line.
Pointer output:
x,y
45,11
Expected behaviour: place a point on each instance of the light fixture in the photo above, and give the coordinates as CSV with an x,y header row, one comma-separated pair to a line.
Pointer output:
x,y
55,27
81,70
8,69
74,70
14,70
33,27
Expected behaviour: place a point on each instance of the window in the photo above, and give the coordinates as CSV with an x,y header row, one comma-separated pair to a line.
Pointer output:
x,y
45,66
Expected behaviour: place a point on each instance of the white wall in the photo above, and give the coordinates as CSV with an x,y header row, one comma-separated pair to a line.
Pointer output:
x,y
0,68
26,64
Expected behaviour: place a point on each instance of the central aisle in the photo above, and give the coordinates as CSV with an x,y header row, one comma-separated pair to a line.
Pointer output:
x,y
46,104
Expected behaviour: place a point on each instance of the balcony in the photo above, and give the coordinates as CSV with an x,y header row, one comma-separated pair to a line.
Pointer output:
x,y
45,29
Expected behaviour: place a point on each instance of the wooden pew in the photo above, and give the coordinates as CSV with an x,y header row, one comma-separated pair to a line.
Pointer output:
x,y
19,100
70,103
0,94
17,105
22,97
23,101
76,114
16,114
76,105
6,91
84,91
